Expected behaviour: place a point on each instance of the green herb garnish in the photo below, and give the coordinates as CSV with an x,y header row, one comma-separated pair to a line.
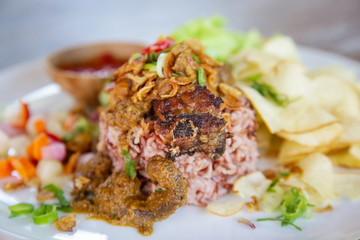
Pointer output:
x,y
175,75
81,125
104,99
71,135
135,56
159,190
153,56
63,205
268,91
150,67
293,206
276,180
103,96
167,49
253,78
21,209
129,165
200,76
45,214
195,58
113,215
282,220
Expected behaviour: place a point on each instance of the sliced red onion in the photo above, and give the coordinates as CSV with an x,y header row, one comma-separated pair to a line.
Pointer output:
x,y
109,87
56,150
10,179
11,131
84,158
94,117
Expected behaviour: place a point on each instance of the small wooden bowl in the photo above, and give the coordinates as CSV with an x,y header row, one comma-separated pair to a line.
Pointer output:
x,y
85,86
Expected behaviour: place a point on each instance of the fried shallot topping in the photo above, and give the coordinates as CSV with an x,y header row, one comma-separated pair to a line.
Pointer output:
x,y
187,111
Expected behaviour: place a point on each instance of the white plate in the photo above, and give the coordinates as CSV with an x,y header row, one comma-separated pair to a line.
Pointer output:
x,y
187,222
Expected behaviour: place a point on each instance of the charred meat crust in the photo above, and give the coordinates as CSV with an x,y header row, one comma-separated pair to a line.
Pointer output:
x,y
199,100
191,122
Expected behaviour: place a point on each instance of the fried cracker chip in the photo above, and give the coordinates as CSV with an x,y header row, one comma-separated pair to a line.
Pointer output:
x,y
250,185
225,209
318,173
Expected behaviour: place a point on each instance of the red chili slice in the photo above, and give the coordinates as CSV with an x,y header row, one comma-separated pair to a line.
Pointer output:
x,y
158,46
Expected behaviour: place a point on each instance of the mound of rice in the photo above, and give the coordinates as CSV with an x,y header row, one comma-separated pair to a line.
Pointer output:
x,y
207,179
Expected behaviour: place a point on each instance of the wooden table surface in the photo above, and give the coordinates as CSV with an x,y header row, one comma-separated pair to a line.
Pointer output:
x,y
32,29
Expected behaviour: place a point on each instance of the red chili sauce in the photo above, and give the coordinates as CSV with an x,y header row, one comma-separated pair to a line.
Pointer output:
x,y
103,65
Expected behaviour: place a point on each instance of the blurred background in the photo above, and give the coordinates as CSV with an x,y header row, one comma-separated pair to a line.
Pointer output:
x,y
31,29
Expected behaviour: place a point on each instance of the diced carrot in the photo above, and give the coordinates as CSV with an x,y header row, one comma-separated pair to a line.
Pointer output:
x,y
40,142
23,165
29,150
5,168
34,149
23,116
39,126
70,165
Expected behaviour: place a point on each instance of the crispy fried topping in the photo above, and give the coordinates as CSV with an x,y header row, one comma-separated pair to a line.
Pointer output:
x,y
189,116
80,181
44,195
13,186
66,223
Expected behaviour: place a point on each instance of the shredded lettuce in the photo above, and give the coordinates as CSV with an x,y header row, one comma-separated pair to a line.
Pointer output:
x,y
220,42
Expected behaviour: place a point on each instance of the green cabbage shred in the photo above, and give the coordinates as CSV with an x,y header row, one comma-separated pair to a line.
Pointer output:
x,y
220,42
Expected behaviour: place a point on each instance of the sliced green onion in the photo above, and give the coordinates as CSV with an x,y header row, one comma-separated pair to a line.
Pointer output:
x,y
308,212
64,205
151,67
293,206
103,96
104,99
152,57
175,75
159,190
195,58
135,56
129,165
253,78
168,49
268,91
45,214
283,222
81,125
200,75
21,209
276,180
71,135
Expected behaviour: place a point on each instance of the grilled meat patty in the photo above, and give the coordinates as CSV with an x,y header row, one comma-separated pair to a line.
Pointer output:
x,y
191,122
